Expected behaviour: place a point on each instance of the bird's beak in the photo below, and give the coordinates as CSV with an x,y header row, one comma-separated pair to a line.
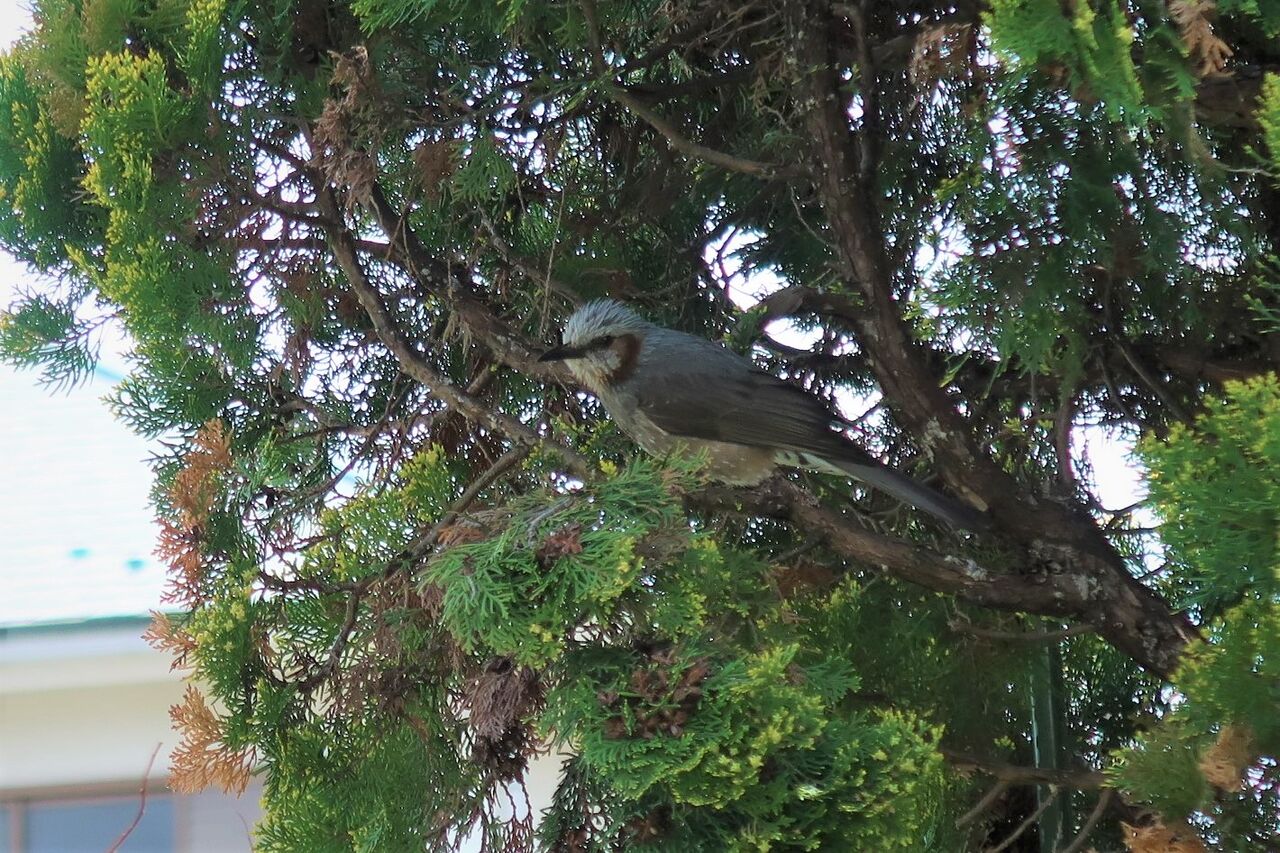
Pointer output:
x,y
561,353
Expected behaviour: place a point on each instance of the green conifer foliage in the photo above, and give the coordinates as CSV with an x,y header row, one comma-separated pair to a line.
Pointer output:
x,y
408,559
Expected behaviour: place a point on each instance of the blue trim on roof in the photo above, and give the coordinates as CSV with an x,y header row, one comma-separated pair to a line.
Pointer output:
x,y
57,626
107,374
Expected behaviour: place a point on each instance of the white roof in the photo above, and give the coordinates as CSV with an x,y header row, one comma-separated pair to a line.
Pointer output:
x,y
76,533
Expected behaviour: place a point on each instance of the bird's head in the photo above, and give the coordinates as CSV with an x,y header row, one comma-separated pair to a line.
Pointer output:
x,y
600,343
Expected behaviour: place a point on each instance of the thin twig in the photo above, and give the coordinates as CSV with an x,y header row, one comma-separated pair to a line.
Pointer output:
x,y
984,804
673,135
684,145
1157,385
334,659
1029,822
501,465
142,803
393,337
1104,800
523,266
474,314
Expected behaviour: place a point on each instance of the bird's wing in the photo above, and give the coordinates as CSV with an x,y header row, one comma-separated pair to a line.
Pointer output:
x,y
692,388
696,389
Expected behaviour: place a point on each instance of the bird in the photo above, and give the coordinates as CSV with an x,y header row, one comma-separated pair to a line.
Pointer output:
x,y
668,389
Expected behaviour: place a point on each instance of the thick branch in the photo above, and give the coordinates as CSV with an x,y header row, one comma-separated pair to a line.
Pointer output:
x,y
1050,595
1016,774
1021,636
1061,539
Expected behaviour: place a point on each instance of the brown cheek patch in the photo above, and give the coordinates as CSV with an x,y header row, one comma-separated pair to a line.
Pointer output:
x,y
627,349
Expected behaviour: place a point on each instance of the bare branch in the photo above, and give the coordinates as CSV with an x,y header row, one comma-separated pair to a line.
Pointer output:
x,y
339,646
1028,823
700,152
513,260
478,319
673,135
504,463
1104,801
142,804
1060,595
1016,774
984,805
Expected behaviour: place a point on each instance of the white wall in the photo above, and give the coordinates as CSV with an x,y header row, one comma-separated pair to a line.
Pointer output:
x,y
83,707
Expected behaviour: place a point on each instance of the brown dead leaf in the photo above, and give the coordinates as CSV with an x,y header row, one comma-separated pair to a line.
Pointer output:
x,y
1194,20
1158,838
1224,763
562,543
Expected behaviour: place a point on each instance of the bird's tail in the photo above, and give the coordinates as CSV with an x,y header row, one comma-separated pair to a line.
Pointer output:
x,y
900,486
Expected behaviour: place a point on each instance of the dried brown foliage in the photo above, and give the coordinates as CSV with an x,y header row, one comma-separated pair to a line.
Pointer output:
x,y
802,577
660,701
648,828
344,137
1224,763
191,497
1158,838
1194,20
502,699
203,758
164,635
461,532
388,673
939,52
562,543
435,161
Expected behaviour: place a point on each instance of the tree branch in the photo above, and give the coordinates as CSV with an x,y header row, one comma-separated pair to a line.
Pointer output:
x,y
1028,823
678,141
984,805
1061,539
684,145
1017,774
1021,636
1104,800
414,365
963,577
476,317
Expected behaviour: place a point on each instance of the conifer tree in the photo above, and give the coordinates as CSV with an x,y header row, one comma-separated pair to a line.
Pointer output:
x,y
408,559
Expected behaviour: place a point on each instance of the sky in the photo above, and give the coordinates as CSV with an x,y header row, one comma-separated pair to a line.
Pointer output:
x,y
76,532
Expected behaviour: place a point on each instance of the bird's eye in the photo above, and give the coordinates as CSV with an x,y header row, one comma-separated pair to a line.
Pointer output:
x,y
604,341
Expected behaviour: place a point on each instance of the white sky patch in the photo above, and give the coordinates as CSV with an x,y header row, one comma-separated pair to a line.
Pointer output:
x,y
1117,479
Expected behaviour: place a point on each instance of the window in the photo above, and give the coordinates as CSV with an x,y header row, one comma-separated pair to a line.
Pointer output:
x,y
87,825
